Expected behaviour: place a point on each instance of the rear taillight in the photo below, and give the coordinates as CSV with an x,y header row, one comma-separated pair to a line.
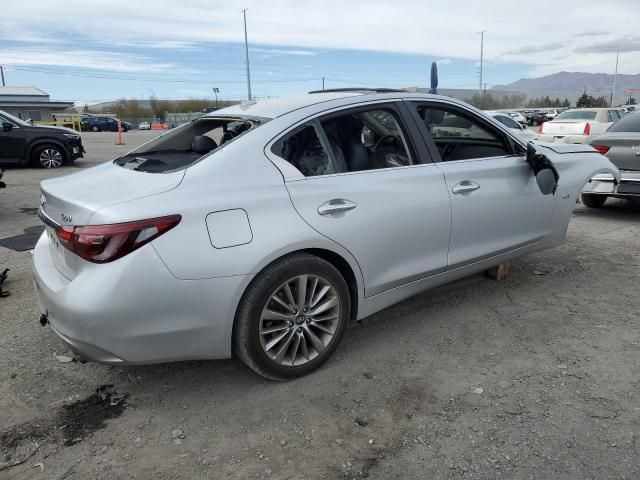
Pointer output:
x,y
539,130
587,129
106,243
602,149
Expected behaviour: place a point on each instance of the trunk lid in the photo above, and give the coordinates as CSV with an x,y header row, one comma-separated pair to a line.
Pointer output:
x,y
73,199
565,127
624,149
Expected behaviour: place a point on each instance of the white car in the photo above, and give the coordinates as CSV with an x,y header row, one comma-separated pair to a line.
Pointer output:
x,y
578,125
518,117
144,126
513,125
264,228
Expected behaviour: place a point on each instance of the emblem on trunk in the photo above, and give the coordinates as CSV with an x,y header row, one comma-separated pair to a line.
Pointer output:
x,y
66,218
43,201
636,148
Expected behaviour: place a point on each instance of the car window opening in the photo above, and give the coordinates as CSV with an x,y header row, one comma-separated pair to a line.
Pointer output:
x,y
459,137
356,141
188,144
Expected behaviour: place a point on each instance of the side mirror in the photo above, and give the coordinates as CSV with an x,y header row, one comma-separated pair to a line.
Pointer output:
x,y
7,127
546,174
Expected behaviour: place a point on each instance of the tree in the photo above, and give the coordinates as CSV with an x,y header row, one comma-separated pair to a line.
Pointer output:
x,y
565,103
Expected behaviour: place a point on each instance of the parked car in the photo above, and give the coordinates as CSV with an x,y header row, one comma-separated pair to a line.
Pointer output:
x,y
537,118
550,113
2,184
518,117
103,124
620,144
25,144
578,125
513,125
144,126
264,228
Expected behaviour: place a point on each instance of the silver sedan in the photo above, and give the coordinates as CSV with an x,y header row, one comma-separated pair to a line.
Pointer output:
x,y
262,229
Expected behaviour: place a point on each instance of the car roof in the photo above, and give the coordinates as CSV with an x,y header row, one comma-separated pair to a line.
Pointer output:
x,y
276,107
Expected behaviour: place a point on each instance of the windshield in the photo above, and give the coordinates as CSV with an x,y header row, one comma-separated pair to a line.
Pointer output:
x,y
577,115
187,144
628,123
13,119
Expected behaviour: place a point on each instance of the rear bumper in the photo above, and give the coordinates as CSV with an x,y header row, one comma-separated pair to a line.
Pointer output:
x,y
545,137
134,311
605,184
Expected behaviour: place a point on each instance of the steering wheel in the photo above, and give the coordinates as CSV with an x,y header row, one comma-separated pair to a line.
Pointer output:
x,y
379,142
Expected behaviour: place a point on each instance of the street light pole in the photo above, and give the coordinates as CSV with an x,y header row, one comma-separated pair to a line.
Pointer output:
x,y
215,91
481,59
615,76
246,51
2,74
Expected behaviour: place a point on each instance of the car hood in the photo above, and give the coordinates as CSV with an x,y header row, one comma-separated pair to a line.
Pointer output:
x,y
56,129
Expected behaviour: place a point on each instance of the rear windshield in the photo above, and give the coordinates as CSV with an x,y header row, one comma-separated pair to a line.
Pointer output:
x,y
578,115
628,123
188,143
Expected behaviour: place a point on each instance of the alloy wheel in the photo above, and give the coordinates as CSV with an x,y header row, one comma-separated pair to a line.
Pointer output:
x,y
50,158
299,320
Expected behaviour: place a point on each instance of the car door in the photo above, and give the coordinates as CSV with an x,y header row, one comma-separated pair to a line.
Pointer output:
x,y
13,142
496,204
366,186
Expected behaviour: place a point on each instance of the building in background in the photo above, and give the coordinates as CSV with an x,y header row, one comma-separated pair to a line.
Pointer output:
x,y
30,103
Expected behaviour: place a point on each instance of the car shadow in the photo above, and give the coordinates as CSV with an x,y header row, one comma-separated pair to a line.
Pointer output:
x,y
613,209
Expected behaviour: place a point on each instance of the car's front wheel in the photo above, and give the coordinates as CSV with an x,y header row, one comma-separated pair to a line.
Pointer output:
x,y
48,156
292,317
95,128
593,201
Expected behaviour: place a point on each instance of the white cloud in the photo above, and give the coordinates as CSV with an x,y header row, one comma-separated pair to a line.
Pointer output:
x,y
90,59
444,61
404,26
279,52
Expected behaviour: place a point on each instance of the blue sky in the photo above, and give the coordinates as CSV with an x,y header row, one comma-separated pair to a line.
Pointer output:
x,y
90,52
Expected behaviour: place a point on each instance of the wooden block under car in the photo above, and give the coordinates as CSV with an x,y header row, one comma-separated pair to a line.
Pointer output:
x,y
499,271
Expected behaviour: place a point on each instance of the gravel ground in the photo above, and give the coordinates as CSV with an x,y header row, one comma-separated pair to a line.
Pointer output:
x,y
533,377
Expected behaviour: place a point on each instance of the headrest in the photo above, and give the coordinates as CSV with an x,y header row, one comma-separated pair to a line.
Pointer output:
x,y
202,144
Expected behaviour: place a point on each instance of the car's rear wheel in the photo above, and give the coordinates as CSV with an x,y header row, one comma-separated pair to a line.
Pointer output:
x,y
593,201
292,317
48,156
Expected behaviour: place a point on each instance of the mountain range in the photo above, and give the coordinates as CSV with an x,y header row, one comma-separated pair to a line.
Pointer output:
x,y
572,84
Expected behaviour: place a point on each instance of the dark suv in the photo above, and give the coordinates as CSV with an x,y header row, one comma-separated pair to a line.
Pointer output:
x,y
49,147
103,124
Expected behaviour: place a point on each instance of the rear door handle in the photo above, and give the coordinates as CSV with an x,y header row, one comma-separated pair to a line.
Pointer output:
x,y
336,205
465,186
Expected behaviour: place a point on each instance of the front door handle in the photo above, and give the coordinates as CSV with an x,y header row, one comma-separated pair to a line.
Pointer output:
x,y
465,186
336,205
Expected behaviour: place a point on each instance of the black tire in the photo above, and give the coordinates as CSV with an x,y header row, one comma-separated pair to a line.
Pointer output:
x,y
593,201
49,155
535,123
246,337
95,128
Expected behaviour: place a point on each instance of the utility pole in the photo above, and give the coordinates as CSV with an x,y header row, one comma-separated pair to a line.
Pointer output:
x,y
322,83
481,59
615,76
246,51
2,74
215,91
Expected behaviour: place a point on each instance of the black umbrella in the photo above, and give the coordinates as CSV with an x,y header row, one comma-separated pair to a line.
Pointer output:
x,y
434,78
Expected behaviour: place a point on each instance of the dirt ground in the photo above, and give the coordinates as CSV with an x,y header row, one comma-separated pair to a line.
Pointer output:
x,y
533,377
